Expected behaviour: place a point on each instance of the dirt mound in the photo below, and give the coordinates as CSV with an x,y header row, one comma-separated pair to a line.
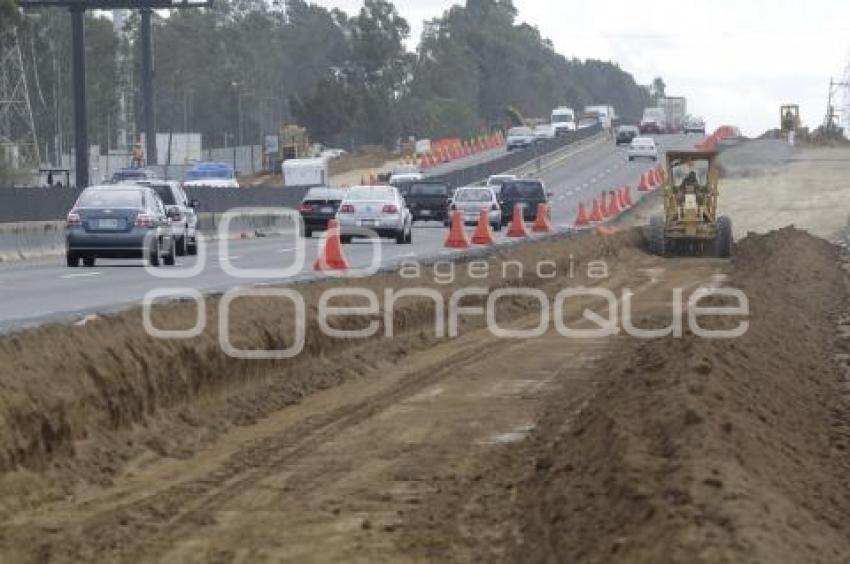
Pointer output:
x,y
754,157
693,449
76,403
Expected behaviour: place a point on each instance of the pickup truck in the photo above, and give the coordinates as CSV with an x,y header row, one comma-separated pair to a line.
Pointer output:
x,y
428,201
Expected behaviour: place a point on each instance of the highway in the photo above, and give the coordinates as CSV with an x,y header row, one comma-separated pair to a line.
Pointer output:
x,y
35,292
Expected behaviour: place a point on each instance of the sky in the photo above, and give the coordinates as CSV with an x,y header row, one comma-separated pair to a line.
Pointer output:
x,y
736,61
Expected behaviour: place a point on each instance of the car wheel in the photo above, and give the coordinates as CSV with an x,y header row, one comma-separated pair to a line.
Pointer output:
x,y
401,236
308,232
631,159
72,259
345,239
497,226
192,248
409,238
181,246
169,259
154,254
88,262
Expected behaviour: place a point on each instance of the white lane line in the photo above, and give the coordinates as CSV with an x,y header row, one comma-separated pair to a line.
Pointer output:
x,y
585,185
81,275
281,251
232,257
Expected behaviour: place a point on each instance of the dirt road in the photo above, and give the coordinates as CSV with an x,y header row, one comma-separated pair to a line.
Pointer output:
x,y
475,448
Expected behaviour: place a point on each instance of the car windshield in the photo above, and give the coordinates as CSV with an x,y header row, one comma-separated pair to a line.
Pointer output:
x,y
369,196
429,190
562,118
517,131
165,194
525,189
473,195
110,199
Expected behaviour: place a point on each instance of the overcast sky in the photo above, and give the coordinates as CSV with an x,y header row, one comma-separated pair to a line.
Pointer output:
x,y
735,60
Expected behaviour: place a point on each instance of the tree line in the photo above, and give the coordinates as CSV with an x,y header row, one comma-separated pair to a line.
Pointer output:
x,y
243,68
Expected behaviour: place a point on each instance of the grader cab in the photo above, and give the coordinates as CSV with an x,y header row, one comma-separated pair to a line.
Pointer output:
x,y
690,224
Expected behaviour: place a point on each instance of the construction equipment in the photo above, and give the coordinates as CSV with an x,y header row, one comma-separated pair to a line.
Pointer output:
x,y
294,142
789,118
690,224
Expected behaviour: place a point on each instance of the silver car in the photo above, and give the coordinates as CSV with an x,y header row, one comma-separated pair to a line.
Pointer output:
x,y
643,148
472,199
367,210
519,138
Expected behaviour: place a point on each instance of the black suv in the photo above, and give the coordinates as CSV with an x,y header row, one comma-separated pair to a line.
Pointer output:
x,y
528,194
429,201
319,206
625,134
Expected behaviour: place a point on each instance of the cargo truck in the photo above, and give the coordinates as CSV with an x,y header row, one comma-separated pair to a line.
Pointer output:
x,y
675,109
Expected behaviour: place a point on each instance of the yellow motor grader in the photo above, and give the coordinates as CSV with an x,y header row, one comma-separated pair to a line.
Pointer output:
x,y
690,224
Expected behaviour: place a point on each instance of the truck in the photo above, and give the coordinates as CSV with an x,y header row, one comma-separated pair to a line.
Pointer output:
x,y
605,114
654,120
676,109
305,172
563,120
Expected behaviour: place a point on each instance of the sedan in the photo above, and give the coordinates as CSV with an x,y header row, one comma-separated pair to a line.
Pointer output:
x,y
375,209
318,207
472,199
519,138
643,148
119,221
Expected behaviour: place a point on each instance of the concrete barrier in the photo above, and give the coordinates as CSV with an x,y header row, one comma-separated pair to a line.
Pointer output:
x,y
29,240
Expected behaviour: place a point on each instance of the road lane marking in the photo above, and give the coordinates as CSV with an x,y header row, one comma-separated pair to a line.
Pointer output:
x,y
81,275
281,251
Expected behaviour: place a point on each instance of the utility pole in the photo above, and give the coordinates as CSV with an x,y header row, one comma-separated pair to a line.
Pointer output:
x,y
148,105
78,9
17,128
831,115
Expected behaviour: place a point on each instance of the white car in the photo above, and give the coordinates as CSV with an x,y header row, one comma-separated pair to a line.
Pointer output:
x,y
472,199
369,210
643,148
544,131
495,181
212,183
400,178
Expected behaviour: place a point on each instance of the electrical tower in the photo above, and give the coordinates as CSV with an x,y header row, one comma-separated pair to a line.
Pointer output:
x,y
18,142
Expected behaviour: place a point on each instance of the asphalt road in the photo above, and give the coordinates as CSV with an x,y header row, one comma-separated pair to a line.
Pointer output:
x,y
32,293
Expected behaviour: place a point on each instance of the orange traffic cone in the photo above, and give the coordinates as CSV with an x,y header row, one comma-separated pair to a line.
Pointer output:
x,y
603,206
517,224
621,198
644,184
541,222
457,238
483,235
627,196
596,213
331,257
581,217
614,206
